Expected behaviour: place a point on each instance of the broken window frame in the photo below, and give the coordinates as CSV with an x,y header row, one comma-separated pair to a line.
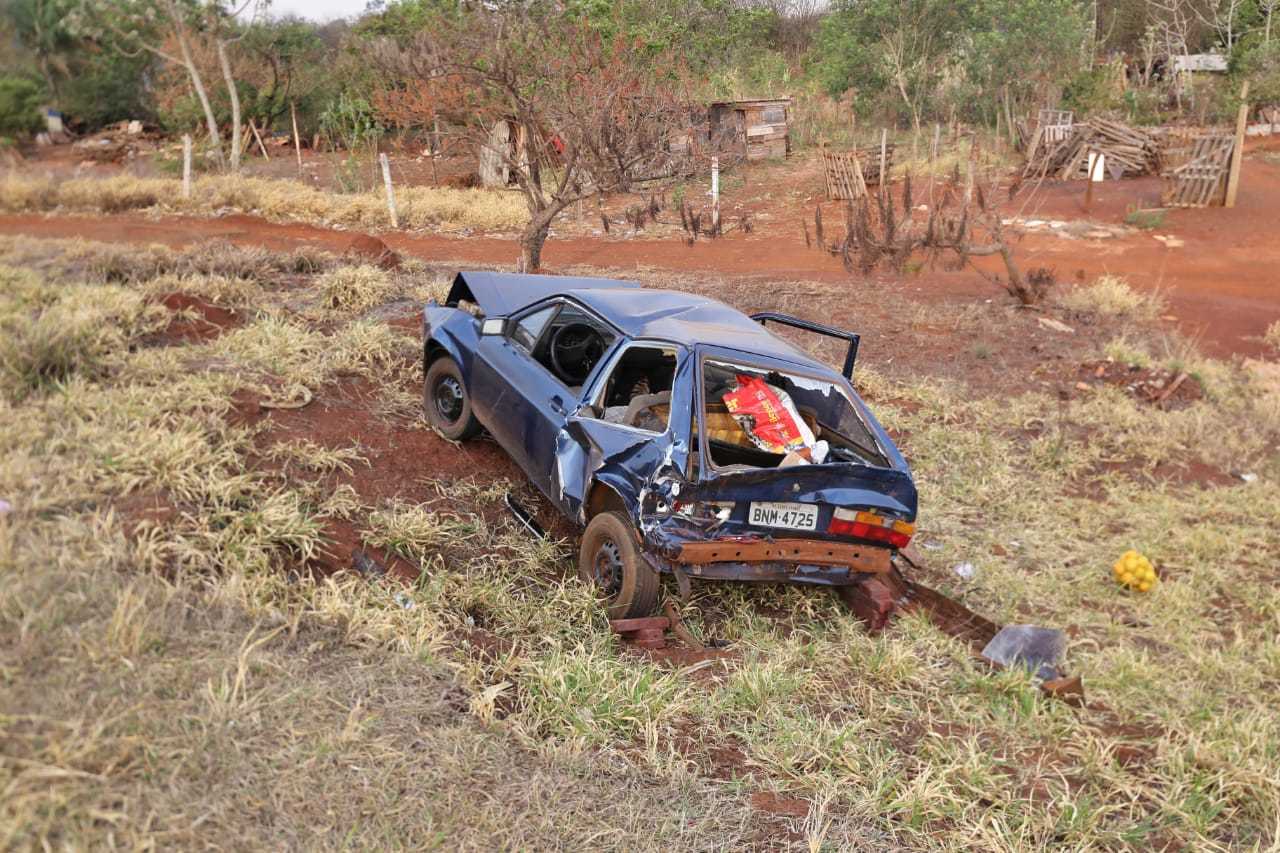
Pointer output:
x,y
595,400
558,304
733,358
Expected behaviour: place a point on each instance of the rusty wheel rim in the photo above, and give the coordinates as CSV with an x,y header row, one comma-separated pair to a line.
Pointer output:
x,y
608,568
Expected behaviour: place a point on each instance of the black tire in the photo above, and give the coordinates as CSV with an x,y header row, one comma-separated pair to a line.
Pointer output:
x,y
610,561
445,401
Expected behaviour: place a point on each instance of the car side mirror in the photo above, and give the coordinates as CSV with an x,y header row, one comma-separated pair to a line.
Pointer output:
x,y
493,326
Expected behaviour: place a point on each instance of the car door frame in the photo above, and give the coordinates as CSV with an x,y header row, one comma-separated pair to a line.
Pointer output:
x,y
624,458
522,403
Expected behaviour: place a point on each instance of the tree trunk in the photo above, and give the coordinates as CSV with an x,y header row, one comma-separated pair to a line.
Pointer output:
x,y
234,96
197,82
532,240
1017,284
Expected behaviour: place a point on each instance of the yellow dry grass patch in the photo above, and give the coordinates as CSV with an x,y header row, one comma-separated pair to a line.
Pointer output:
x,y
278,200
1112,296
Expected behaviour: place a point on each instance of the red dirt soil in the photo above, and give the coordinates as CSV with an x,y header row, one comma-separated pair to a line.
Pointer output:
x,y
208,322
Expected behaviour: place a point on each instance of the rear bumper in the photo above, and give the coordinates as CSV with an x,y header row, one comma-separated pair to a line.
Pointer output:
x,y
775,572
808,552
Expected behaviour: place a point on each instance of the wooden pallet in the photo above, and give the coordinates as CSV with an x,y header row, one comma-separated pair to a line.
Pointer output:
x,y
1195,170
843,172
849,173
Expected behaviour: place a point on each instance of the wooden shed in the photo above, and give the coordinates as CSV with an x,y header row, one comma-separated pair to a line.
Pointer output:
x,y
758,126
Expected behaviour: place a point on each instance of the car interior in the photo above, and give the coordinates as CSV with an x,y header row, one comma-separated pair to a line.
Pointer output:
x,y
830,416
638,390
565,339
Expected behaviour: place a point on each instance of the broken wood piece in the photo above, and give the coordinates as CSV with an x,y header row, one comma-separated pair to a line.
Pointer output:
x,y
647,632
261,147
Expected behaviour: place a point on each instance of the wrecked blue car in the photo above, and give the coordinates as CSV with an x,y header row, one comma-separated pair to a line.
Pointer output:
x,y
685,437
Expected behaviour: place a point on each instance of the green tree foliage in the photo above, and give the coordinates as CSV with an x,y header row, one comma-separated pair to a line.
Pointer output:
x,y
918,57
19,106
891,53
1260,65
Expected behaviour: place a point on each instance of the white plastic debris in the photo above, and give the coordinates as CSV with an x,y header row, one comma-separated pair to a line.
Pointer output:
x,y
931,545
404,600
965,571
5,507
1248,477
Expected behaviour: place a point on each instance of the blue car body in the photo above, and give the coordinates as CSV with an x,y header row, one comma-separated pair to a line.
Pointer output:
x,y
667,482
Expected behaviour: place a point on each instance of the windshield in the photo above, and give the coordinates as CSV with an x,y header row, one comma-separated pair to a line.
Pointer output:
x,y
761,418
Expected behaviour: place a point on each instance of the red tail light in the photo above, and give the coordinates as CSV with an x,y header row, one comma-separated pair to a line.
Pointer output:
x,y
868,525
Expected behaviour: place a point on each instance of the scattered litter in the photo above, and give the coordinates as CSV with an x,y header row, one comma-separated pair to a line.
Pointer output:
x,y
965,571
1247,476
403,599
1056,325
1169,241
931,545
5,507
1038,649
1134,571
525,517
1083,386
366,564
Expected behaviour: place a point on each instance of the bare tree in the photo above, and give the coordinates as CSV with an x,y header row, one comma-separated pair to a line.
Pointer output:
x,y
963,222
151,26
587,116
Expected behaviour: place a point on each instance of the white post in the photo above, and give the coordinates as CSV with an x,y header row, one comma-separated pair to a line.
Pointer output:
x,y
186,165
391,195
715,193
884,144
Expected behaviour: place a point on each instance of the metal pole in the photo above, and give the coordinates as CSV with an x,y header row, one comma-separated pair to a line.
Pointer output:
x,y
186,165
391,195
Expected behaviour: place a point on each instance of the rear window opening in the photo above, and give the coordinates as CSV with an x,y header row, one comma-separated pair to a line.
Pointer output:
x,y
760,418
637,393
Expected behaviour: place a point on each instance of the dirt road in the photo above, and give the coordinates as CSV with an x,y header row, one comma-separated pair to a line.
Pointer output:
x,y
1222,283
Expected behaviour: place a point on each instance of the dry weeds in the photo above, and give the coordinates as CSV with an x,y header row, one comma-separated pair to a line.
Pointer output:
x,y
277,200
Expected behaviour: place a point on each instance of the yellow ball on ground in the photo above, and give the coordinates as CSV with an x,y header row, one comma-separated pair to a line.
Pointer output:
x,y
1134,571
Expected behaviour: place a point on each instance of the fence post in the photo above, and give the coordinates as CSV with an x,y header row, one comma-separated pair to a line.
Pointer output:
x,y
884,142
186,165
715,193
391,195
297,143
1237,153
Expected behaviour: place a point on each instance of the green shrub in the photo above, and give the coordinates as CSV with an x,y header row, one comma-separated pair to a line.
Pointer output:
x,y
20,106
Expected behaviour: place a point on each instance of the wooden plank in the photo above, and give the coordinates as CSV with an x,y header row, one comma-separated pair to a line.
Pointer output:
x,y
1237,152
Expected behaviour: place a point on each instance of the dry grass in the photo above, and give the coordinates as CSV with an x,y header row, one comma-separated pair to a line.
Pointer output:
x,y
488,705
1111,296
1272,336
278,200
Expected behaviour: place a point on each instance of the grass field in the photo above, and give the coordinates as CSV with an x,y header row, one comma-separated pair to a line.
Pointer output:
x,y
174,677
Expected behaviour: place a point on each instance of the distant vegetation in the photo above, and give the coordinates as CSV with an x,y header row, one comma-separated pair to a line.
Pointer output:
x,y
903,63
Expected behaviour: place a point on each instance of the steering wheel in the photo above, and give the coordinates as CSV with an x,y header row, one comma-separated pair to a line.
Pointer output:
x,y
575,348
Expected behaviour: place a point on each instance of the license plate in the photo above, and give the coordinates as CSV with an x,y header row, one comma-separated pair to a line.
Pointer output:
x,y
788,515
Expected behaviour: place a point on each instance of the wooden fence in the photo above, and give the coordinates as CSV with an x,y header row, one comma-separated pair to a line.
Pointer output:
x,y
849,173
1194,166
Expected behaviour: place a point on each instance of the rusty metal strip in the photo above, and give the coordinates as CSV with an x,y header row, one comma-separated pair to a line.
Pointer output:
x,y
859,558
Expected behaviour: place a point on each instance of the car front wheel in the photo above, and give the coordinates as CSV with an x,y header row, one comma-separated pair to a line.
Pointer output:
x,y
610,561
446,402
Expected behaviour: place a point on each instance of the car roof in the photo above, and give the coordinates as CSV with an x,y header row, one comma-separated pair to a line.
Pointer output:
x,y
638,312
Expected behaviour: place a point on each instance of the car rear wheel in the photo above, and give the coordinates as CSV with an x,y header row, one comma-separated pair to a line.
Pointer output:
x,y
610,561
446,402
